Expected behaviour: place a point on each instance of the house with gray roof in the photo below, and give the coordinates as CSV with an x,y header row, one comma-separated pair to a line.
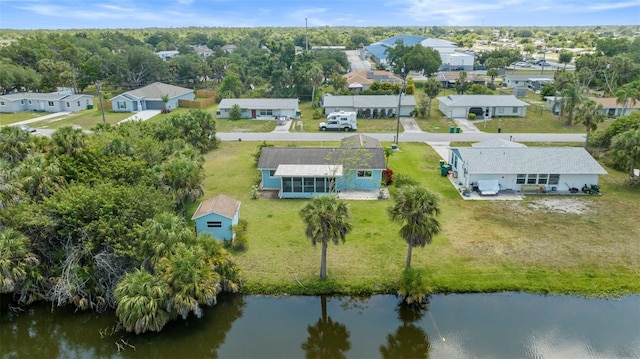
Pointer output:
x,y
260,108
548,169
217,216
45,102
369,106
483,106
296,172
151,97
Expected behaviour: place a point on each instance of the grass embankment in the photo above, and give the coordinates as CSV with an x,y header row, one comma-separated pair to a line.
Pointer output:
x,y
484,246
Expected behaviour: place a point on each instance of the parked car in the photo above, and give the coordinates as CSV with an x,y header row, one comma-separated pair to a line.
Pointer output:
x,y
26,128
523,64
545,64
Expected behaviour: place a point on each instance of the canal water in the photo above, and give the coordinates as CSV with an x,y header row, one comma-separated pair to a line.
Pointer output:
x,y
504,325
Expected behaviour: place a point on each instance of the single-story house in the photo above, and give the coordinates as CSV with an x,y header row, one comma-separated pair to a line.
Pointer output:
x,y
369,106
260,108
610,105
217,216
202,51
46,102
483,106
548,169
531,81
448,79
167,55
150,97
365,78
297,172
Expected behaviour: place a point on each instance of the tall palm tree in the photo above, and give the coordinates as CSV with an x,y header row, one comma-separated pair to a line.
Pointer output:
x,y
432,89
416,208
142,301
326,219
590,113
161,234
16,260
571,98
183,177
15,144
628,94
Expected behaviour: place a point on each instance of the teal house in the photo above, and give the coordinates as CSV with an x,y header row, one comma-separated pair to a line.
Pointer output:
x,y
216,216
296,172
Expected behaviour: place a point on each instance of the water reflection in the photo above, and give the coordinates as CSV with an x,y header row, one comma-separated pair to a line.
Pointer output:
x,y
409,341
327,338
506,325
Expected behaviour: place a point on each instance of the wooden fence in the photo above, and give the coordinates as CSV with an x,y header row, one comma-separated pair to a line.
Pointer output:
x,y
200,104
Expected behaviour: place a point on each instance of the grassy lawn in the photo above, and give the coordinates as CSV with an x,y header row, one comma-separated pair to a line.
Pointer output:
x,y
9,118
484,245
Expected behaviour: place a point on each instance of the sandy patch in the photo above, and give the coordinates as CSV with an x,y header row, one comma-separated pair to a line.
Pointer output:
x,y
560,205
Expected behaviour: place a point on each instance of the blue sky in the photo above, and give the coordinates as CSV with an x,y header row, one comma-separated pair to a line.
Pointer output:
x,y
77,14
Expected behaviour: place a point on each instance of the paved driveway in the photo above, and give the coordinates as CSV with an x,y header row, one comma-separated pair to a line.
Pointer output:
x,y
141,116
355,62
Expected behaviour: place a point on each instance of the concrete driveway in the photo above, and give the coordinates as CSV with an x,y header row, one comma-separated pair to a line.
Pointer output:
x,y
355,62
141,116
41,118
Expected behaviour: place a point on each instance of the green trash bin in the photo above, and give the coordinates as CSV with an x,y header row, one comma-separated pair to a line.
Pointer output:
x,y
442,162
89,107
444,170
457,129
451,129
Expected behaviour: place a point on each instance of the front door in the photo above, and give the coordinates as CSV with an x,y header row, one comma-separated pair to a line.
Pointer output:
x,y
253,113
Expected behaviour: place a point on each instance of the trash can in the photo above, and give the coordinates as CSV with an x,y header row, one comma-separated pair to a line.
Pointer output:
x,y
457,129
444,170
442,162
451,129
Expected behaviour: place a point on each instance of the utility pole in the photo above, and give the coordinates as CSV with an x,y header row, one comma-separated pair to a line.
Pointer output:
x,y
306,39
399,104
104,121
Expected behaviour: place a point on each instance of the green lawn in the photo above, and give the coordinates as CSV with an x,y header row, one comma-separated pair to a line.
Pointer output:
x,y
484,245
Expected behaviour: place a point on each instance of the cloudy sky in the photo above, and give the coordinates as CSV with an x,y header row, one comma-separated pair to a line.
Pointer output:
x,y
76,14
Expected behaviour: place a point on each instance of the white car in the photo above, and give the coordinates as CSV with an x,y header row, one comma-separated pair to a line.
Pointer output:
x,y
26,128
523,64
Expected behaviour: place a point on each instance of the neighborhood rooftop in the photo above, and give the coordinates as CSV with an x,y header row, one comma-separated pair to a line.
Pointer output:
x,y
220,204
561,160
260,103
482,100
158,89
272,157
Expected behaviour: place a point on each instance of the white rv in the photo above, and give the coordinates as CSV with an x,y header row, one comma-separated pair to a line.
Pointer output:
x,y
341,121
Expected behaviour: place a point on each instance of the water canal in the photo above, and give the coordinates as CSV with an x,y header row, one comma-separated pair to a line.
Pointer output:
x,y
504,325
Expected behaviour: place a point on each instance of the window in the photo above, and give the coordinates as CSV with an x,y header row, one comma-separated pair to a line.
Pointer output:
x,y
554,179
1,103
515,110
297,184
68,105
531,178
272,173
29,102
266,112
320,185
122,105
50,103
214,224
286,184
542,178
500,109
308,185
365,174
22,102
78,103
521,178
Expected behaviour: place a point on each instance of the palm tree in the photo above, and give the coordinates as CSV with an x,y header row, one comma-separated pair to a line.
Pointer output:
x,y
327,219
9,190
17,261
68,140
142,301
160,235
571,98
590,113
626,149
38,176
15,144
416,208
432,89
628,94
191,278
183,177
493,73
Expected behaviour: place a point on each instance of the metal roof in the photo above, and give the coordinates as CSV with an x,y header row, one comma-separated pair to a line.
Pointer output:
x,y
309,170
365,101
517,160
481,100
220,204
260,103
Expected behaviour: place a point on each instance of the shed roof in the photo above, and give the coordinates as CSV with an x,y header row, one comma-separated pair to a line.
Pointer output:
x,y
481,100
220,204
260,103
515,160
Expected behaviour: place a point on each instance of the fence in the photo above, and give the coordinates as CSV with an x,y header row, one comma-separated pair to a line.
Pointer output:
x,y
200,104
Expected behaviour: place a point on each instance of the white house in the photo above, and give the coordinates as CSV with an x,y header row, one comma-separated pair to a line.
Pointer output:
x,y
260,108
151,97
167,55
45,102
483,106
370,106
549,169
532,81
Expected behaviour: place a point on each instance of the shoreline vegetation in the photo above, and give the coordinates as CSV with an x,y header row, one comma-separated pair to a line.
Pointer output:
x,y
484,246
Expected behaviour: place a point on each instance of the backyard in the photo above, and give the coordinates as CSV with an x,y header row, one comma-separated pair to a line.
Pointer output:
x,y
581,245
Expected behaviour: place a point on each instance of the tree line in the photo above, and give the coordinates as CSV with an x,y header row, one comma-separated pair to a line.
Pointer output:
x,y
96,221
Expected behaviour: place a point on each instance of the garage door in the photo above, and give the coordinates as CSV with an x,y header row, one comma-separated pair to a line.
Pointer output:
x,y
459,113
